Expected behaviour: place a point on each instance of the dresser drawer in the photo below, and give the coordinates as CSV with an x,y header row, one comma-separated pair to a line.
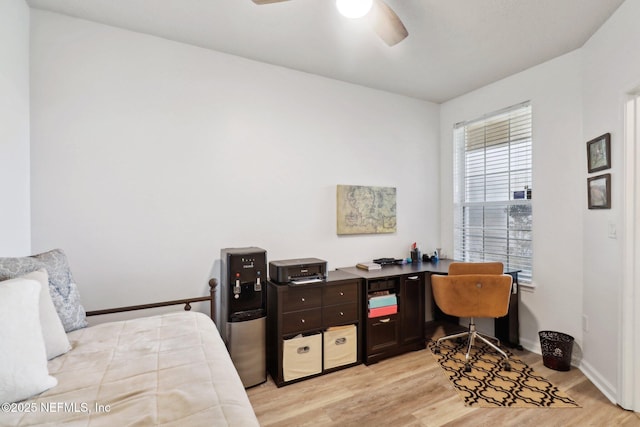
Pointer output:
x,y
298,321
302,298
340,314
340,294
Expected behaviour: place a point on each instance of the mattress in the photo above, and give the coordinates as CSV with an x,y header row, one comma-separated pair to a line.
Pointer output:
x,y
168,370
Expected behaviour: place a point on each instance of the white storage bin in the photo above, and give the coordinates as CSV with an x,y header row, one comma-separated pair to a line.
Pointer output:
x,y
302,357
340,346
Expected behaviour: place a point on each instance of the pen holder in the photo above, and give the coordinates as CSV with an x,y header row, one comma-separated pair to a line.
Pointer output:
x,y
416,256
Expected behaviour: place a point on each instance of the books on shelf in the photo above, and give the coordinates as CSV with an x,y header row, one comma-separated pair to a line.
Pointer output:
x,y
383,305
368,266
383,311
383,300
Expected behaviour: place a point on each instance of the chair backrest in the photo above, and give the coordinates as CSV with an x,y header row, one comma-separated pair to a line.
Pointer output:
x,y
456,268
472,295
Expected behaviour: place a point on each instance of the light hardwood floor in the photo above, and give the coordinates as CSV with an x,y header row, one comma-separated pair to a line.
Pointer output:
x,y
412,390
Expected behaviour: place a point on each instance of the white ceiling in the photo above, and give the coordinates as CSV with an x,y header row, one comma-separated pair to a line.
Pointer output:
x,y
454,46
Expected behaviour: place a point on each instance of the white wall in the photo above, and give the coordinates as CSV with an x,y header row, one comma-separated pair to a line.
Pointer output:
x,y
577,266
611,71
554,89
15,237
149,156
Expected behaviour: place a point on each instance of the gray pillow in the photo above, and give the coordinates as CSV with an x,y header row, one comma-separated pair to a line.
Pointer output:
x,y
64,292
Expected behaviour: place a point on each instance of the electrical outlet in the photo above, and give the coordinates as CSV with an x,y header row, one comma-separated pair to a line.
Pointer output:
x,y
612,232
585,323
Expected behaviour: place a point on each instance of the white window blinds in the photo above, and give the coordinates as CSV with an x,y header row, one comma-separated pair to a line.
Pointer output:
x,y
492,189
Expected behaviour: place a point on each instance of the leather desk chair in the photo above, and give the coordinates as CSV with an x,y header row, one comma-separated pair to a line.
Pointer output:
x,y
473,290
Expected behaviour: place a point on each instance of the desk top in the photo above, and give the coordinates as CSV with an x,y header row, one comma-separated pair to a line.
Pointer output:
x,y
439,267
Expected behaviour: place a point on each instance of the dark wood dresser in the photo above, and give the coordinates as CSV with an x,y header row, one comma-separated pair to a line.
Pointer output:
x,y
314,328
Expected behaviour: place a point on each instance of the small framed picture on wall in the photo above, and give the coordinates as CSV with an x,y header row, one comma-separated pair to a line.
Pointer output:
x,y
599,153
599,191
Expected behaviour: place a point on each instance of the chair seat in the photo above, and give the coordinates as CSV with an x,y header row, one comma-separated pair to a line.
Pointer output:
x,y
473,290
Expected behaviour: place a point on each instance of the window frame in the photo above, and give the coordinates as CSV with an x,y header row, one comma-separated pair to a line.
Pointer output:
x,y
495,136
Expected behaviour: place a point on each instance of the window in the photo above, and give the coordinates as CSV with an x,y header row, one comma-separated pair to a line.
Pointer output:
x,y
492,189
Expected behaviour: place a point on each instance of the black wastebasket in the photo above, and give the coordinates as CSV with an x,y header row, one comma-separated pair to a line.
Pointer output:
x,y
556,350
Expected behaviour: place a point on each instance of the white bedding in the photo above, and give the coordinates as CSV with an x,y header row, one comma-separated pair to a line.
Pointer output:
x,y
171,370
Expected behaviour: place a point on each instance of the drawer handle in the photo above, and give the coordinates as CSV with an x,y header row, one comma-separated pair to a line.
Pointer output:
x,y
387,320
341,341
302,350
302,299
302,320
341,294
341,313
413,278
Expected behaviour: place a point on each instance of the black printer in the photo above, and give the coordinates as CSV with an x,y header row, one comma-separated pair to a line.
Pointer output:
x,y
299,271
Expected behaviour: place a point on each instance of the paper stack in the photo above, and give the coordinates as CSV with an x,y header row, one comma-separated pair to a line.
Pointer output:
x,y
368,266
383,305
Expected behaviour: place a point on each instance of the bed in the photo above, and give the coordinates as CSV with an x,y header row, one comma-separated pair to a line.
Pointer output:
x,y
170,370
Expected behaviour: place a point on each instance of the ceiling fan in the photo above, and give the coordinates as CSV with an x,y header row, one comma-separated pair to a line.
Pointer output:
x,y
385,21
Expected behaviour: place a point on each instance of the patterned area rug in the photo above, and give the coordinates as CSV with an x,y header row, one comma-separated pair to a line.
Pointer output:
x,y
489,385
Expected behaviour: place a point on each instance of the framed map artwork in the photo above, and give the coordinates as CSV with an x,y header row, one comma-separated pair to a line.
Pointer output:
x,y
366,210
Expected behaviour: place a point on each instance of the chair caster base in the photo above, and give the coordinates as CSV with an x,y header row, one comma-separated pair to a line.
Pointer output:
x,y
467,367
436,350
507,367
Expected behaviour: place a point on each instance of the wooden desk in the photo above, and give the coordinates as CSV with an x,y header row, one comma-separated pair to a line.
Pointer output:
x,y
396,334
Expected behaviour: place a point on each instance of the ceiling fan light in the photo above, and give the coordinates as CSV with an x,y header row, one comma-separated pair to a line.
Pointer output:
x,y
354,8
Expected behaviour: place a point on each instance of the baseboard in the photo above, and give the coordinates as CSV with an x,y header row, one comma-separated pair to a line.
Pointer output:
x,y
604,386
532,346
601,384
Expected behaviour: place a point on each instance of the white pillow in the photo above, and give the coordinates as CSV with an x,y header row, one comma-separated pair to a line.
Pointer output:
x,y
23,360
55,339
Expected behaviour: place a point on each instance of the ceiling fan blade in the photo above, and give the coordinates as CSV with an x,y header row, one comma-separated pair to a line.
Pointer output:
x,y
387,24
267,1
